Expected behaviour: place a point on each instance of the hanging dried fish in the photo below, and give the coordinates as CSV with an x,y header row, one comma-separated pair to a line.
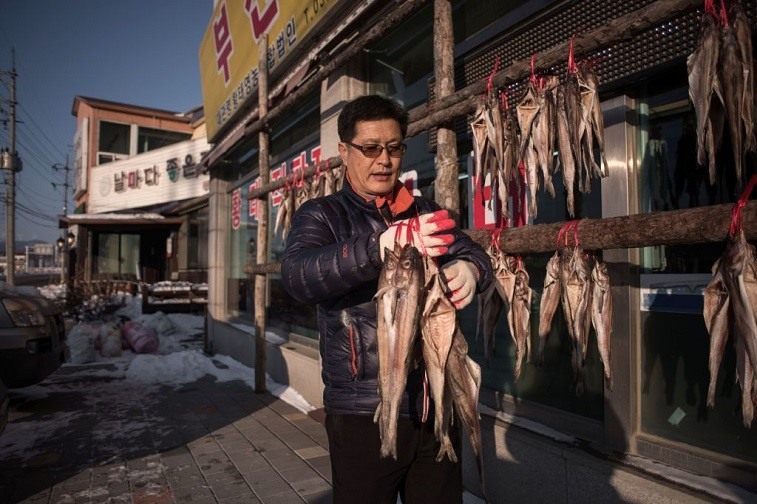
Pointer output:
x,y
566,155
733,293
519,318
743,31
704,89
284,214
490,305
526,111
575,280
593,124
398,305
550,300
717,305
601,316
731,79
480,139
438,326
542,133
463,379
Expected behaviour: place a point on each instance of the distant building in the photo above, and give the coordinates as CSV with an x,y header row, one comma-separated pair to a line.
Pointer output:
x,y
140,196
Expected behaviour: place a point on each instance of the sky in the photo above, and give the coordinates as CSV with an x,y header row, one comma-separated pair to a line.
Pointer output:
x,y
139,52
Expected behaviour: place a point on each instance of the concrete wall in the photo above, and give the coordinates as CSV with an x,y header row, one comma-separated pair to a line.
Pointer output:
x,y
294,363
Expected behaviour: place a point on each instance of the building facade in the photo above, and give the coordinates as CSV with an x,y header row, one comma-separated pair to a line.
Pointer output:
x,y
140,193
652,436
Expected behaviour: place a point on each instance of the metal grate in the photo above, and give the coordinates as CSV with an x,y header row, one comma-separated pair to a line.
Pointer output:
x,y
660,45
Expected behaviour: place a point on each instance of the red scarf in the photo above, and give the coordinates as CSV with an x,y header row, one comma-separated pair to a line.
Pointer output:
x,y
399,200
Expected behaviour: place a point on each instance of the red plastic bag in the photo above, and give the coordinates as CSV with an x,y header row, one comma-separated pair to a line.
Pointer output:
x,y
141,339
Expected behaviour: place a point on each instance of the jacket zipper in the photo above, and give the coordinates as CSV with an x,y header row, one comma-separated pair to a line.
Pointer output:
x,y
353,352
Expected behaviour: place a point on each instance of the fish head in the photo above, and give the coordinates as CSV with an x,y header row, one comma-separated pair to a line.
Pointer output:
x,y
407,270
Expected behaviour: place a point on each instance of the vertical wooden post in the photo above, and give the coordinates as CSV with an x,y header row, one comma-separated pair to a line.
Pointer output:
x,y
446,185
261,280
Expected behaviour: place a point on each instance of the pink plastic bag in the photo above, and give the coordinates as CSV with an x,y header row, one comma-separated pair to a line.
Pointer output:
x,y
141,339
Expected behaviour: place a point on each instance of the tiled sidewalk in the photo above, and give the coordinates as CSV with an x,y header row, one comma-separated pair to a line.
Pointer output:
x,y
98,441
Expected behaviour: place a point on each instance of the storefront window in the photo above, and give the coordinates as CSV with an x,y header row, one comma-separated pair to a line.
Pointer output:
x,y
675,342
197,256
242,251
117,255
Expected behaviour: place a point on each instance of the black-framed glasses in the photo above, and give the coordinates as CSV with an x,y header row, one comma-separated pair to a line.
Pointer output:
x,y
375,150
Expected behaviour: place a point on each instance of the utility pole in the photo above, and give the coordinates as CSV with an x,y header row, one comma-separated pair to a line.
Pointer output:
x,y
10,163
64,269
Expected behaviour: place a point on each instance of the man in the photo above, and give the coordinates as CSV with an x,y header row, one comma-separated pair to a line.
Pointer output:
x,y
333,257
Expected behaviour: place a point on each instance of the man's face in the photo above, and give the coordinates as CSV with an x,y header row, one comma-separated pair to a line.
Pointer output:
x,y
371,177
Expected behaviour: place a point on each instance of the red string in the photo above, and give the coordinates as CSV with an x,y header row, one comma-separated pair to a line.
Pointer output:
x,y
564,233
723,14
495,238
572,68
490,81
503,99
533,70
736,225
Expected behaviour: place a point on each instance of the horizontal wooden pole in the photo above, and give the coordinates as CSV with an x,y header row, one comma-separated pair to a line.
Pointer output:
x,y
689,226
309,171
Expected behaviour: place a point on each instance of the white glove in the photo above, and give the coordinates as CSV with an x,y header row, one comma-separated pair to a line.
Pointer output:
x,y
462,277
424,232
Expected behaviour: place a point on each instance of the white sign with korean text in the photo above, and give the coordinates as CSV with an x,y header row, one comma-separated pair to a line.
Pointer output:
x,y
160,176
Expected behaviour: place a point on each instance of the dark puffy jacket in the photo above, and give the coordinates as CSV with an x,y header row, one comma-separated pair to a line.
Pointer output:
x,y
332,259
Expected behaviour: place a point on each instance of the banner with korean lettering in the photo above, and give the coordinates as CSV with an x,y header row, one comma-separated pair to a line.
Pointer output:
x,y
171,173
229,50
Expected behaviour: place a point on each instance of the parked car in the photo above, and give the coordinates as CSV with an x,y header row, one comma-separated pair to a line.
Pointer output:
x,y
4,400
32,336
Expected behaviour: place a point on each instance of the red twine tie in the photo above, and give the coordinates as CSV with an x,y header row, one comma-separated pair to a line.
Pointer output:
x,y
736,225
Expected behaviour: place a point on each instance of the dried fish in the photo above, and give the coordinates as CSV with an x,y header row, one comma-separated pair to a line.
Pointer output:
x,y
398,305
550,300
601,316
732,86
463,379
438,326
284,214
704,88
519,318
743,31
566,154
717,306
575,280
542,137
490,305
480,142
591,113
733,293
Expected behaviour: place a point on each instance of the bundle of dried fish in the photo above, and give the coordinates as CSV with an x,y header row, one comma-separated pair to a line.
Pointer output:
x,y
398,305
285,213
722,86
730,301
592,125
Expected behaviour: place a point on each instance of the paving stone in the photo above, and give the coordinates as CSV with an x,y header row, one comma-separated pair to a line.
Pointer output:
x,y
289,497
191,494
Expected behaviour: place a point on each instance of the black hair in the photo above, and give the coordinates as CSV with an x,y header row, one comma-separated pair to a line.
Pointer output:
x,y
369,108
